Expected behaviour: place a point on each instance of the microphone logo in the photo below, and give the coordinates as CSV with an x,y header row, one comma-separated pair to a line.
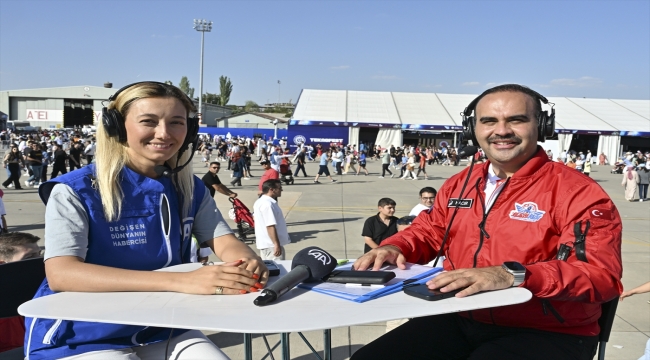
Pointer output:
x,y
321,256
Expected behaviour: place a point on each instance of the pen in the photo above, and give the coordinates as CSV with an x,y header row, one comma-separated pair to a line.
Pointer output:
x,y
343,262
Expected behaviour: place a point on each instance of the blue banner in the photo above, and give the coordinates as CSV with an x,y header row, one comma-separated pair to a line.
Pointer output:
x,y
313,135
241,132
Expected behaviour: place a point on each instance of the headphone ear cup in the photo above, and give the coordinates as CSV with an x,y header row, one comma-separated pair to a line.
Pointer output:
x,y
114,124
541,126
468,130
192,136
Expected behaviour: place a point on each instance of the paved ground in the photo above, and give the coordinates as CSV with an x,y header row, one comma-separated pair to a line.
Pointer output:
x,y
331,216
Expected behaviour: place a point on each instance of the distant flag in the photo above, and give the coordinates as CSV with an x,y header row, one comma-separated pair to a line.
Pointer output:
x,y
278,81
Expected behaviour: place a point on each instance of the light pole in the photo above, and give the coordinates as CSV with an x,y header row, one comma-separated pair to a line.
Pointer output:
x,y
202,26
278,92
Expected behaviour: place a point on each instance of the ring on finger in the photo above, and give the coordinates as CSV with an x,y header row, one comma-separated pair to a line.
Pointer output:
x,y
218,290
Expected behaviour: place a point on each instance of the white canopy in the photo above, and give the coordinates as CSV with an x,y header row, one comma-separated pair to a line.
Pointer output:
x,y
412,109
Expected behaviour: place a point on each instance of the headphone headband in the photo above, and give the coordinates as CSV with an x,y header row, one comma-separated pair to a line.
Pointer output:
x,y
545,121
113,120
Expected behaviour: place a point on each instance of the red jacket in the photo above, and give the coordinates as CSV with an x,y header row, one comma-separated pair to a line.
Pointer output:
x,y
532,216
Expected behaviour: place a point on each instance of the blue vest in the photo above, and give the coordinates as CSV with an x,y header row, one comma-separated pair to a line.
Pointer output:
x,y
146,237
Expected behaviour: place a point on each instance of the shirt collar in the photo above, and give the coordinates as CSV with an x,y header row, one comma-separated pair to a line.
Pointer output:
x,y
269,198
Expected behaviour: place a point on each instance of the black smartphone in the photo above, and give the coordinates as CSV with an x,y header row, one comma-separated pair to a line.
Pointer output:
x,y
423,292
274,270
365,277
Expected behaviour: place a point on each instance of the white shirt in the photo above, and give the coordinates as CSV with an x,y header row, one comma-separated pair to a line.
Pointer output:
x,y
493,187
266,212
418,209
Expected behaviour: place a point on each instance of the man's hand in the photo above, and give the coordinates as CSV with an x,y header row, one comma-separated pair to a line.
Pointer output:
x,y
377,257
277,250
475,280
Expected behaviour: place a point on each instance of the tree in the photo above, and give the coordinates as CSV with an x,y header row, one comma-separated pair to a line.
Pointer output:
x,y
251,106
169,82
210,98
226,88
184,85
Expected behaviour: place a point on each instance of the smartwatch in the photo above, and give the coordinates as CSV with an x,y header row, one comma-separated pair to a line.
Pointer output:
x,y
517,270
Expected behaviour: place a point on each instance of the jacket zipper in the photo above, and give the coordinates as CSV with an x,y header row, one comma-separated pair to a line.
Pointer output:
x,y
481,225
47,339
29,339
166,225
546,306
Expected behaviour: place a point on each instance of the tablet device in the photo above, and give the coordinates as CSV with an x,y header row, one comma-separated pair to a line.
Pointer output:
x,y
423,292
365,277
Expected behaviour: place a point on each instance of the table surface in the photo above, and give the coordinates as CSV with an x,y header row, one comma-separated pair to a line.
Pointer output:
x,y
297,310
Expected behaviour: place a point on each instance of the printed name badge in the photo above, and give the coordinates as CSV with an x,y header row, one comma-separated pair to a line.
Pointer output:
x,y
461,203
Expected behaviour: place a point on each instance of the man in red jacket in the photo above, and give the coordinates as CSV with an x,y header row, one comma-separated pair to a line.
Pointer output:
x,y
522,220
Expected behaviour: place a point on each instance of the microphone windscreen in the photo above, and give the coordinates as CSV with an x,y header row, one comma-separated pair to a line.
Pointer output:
x,y
319,262
162,170
468,151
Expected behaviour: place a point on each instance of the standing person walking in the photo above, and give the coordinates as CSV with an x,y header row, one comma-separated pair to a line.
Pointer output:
x,y
409,167
337,158
58,164
349,163
35,161
630,181
13,160
362,162
422,165
385,161
323,170
238,165
271,233
644,180
74,161
89,152
300,162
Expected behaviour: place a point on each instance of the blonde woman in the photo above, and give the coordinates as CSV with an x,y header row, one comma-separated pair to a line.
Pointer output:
x,y
109,224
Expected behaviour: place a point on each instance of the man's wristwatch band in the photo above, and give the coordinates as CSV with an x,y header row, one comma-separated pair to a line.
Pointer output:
x,y
517,270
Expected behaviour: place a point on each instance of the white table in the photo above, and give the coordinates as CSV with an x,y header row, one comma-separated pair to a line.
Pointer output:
x,y
298,310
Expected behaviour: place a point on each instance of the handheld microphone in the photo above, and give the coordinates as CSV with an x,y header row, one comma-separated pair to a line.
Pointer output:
x,y
310,264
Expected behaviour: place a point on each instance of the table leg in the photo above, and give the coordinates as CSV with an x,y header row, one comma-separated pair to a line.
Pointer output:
x,y
248,346
284,339
327,344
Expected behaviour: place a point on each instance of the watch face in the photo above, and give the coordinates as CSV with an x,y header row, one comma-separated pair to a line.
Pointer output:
x,y
514,266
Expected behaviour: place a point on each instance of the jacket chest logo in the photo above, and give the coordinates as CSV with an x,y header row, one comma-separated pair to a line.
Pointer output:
x,y
527,211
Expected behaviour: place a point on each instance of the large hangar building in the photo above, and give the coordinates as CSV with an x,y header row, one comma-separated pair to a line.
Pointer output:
x,y
394,118
67,107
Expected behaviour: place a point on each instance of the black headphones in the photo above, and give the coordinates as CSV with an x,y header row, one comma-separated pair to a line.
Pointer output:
x,y
113,121
545,122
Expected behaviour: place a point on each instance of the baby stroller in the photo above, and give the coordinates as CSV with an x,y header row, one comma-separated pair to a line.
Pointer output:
x,y
285,172
618,168
243,218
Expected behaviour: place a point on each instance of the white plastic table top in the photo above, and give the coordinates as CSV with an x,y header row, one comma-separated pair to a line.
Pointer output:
x,y
298,310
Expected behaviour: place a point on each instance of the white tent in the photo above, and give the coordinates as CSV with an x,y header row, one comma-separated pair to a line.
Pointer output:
x,y
394,111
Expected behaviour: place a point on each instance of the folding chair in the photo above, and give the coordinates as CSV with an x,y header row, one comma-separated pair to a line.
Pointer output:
x,y
606,321
18,283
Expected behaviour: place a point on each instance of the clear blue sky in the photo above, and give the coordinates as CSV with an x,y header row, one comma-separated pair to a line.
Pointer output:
x,y
597,49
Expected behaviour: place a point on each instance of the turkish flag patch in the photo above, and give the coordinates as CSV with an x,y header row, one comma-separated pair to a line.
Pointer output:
x,y
600,214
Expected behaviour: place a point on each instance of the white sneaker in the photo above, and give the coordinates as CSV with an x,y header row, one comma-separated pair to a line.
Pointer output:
x,y
381,177
10,185
415,178
246,178
35,186
392,175
28,183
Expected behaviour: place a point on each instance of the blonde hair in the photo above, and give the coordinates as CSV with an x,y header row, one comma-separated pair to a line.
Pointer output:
x,y
111,155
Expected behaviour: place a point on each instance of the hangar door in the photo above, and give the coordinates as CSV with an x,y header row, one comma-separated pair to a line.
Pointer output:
x,y
77,112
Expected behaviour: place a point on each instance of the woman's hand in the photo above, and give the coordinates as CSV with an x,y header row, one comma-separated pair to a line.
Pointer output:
x,y
232,277
257,267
